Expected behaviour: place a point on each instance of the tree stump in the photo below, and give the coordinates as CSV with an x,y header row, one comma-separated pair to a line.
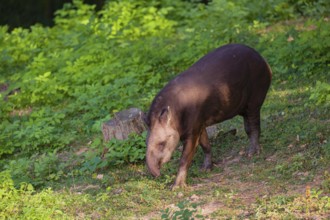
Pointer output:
x,y
123,124
213,132
131,121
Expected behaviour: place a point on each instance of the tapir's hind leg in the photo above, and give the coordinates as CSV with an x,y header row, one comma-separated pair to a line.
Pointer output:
x,y
252,129
205,144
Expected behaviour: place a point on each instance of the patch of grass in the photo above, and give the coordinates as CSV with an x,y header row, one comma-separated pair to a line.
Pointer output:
x,y
184,210
294,154
50,144
298,207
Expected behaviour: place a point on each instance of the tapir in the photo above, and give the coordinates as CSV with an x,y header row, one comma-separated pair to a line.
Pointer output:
x,y
229,81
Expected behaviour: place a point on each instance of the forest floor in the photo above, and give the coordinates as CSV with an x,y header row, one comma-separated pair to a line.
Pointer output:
x,y
290,179
269,186
238,193
52,164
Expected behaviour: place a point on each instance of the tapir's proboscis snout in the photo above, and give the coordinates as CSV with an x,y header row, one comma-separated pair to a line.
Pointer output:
x,y
229,81
153,165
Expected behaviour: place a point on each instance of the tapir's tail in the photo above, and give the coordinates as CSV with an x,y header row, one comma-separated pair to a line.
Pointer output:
x,y
270,72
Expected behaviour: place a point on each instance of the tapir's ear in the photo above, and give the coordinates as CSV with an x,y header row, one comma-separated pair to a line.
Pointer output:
x,y
145,118
165,115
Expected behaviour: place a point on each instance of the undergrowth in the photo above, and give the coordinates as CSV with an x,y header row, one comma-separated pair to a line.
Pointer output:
x,y
59,84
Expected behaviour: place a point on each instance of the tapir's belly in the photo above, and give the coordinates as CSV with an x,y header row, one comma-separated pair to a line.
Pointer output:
x,y
214,104
225,109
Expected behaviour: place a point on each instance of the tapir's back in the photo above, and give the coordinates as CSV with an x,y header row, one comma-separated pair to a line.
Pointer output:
x,y
218,86
232,64
222,84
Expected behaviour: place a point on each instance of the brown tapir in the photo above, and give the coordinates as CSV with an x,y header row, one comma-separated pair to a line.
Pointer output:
x,y
231,80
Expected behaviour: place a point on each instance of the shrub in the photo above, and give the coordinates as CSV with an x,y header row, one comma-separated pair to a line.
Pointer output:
x,y
64,81
130,151
24,203
320,94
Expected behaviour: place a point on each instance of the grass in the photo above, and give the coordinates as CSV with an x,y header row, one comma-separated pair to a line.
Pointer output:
x,y
289,180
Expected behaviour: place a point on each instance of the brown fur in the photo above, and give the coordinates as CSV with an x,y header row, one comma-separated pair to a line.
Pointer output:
x,y
231,80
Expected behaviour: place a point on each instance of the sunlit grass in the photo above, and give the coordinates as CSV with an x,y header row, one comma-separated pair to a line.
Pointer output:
x,y
82,77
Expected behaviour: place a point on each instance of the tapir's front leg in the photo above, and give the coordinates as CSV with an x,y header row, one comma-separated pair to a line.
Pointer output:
x,y
190,146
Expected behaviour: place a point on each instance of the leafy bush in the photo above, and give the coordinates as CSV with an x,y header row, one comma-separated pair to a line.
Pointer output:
x,y
59,84
320,94
130,151
64,81
279,10
115,152
75,68
23,203
308,54
36,170
38,130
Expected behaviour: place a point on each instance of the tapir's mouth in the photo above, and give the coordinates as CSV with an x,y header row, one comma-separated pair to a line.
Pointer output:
x,y
154,172
154,166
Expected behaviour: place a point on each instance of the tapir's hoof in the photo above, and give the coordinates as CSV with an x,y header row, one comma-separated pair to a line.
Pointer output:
x,y
179,186
252,151
207,163
206,167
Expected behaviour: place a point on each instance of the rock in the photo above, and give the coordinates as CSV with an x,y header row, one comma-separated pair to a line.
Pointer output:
x,y
213,132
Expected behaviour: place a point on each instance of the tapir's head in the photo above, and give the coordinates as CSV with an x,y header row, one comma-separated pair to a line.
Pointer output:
x,y
162,139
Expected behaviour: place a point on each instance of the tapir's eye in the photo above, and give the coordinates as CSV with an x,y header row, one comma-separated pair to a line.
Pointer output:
x,y
162,145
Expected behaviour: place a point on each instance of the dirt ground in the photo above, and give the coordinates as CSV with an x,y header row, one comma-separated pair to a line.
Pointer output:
x,y
240,194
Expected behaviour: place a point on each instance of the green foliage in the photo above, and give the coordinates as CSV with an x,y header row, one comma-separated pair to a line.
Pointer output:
x,y
284,207
278,10
90,64
92,163
80,68
130,151
186,211
23,203
321,94
308,54
317,8
37,170
297,163
115,152
326,182
59,84
38,130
